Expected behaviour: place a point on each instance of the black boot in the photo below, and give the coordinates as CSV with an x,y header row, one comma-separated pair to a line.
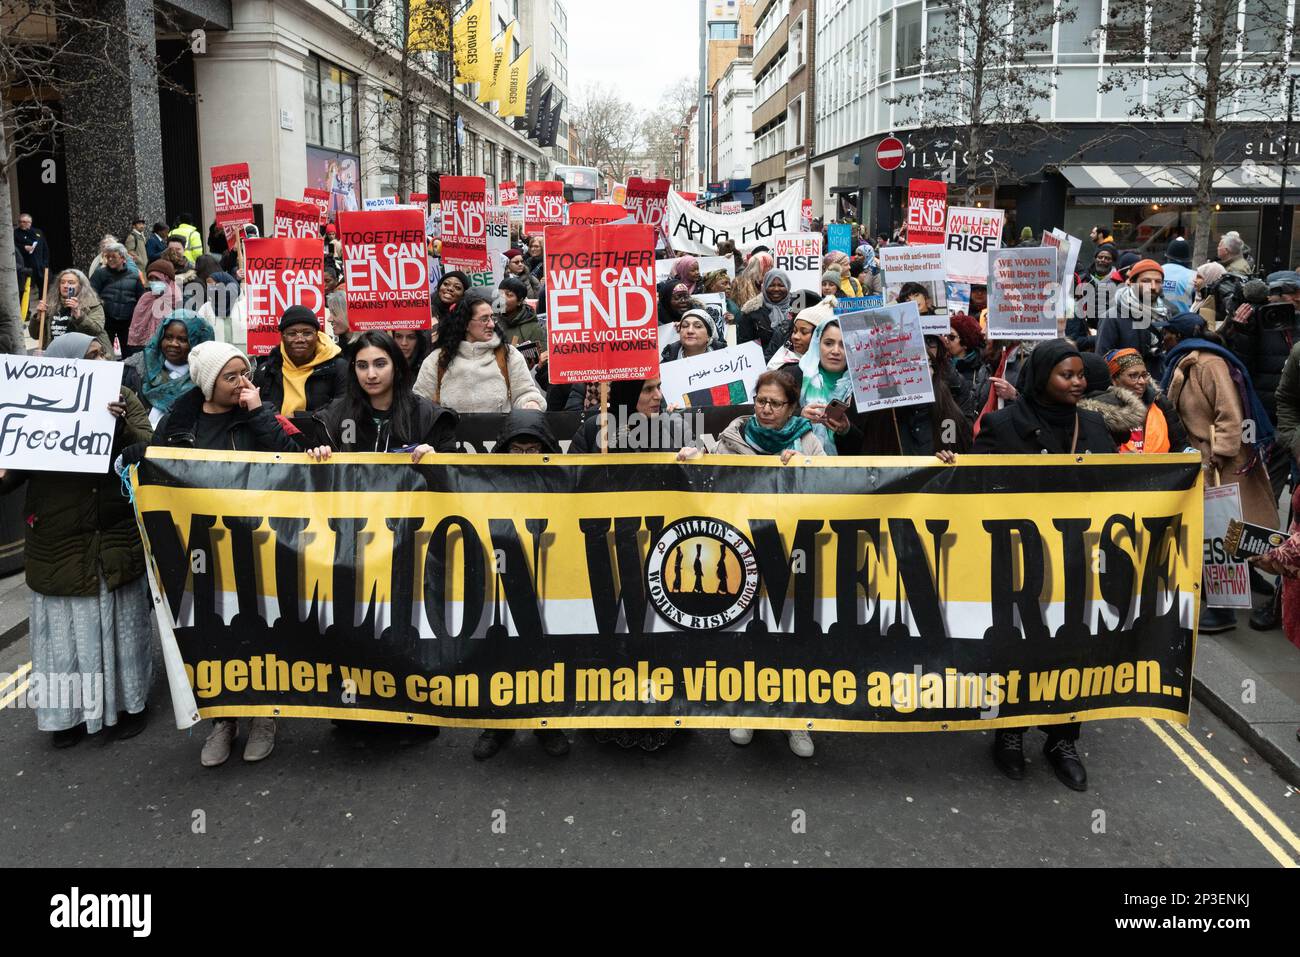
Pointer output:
x,y
129,725
490,742
1009,753
1064,757
1267,615
554,742
1217,620
68,737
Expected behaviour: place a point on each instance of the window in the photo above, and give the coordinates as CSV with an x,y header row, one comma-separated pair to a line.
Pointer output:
x,y
724,31
1079,39
361,9
439,148
907,41
389,109
1034,20
1265,26
330,105
797,47
1126,31
1172,36
885,49
940,39
794,123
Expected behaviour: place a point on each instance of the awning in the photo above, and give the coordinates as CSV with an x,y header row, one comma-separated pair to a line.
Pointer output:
x,y
1247,184
836,190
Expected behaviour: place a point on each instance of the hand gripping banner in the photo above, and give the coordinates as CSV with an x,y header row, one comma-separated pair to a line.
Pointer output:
x,y
634,591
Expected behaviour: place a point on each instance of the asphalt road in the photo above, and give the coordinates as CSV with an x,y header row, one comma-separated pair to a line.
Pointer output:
x,y
327,798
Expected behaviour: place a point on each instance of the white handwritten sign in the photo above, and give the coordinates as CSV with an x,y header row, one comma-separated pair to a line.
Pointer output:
x,y
887,358
923,265
723,377
54,414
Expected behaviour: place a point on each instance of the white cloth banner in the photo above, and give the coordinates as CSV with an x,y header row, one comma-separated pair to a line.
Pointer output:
x,y
54,413
698,231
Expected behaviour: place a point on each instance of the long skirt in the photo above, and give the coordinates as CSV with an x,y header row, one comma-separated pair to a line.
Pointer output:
x,y
91,657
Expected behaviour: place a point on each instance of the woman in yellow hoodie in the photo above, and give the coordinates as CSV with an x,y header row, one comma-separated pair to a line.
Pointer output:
x,y
307,372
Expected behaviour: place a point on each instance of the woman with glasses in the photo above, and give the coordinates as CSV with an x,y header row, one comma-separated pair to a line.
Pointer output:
x,y
1139,416
472,370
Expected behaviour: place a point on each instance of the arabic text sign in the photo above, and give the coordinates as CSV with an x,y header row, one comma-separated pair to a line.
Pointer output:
x,y
1022,293
721,377
971,235
281,273
923,265
800,255
54,413
887,358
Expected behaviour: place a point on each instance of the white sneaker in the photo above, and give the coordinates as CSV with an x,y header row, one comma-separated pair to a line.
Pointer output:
x,y
741,736
216,749
801,743
261,739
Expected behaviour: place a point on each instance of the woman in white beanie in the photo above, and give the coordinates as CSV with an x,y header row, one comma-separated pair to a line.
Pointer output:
x,y
472,370
225,412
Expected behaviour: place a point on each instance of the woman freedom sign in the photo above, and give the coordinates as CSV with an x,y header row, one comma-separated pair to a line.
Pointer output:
x,y
600,303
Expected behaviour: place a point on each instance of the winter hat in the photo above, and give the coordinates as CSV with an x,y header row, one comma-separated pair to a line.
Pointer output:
x,y
1126,260
330,229
1144,265
455,274
162,266
1180,252
968,330
1186,324
709,278
1026,234
1120,359
705,317
819,313
512,253
298,315
511,284
832,276
207,359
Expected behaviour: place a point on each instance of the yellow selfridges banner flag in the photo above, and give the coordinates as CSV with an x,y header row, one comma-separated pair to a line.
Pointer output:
x,y
633,591
514,98
472,43
426,25
495,88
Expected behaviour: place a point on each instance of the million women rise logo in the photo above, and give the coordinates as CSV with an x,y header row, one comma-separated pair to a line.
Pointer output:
x,y
702,574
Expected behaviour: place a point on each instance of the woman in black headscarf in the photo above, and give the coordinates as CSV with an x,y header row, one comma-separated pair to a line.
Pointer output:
x,y
626,434
1046,418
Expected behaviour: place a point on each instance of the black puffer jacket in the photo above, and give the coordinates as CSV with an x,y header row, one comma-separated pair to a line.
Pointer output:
x,y
326,382
119,289
258,431
434,426
1263,351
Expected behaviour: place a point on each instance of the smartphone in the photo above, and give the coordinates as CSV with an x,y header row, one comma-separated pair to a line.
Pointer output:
x,y
837,411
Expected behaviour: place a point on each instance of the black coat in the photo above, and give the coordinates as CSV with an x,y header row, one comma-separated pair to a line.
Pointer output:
x,y
326,382
434,426
1263,351
119,289
1014,431
258,431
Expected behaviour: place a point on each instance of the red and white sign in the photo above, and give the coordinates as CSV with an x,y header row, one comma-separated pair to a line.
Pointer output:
x,y
601,303
805,215
508,193
927,211
418,199
890,153
232,196
279,273
647,200
800,256
296,220
320,198
595,214
386,269
543,205
971,234
464,223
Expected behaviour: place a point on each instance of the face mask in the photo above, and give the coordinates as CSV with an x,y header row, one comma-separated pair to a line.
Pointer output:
x,y
157,288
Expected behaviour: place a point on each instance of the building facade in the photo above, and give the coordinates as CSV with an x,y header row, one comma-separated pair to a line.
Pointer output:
x,y
1101,163
300,90
784,87
735,99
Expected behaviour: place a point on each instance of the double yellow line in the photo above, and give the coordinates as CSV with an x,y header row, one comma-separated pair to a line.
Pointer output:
x,y
1257,830
23,678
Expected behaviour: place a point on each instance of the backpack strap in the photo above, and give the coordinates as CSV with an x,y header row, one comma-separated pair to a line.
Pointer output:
x,y
505,372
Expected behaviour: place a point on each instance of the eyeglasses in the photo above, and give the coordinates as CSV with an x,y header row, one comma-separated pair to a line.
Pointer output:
x,y
300,336
488,319
951,336
1140,376
769,404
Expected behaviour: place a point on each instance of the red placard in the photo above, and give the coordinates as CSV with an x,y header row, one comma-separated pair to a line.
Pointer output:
x,y
927,211
464,222
320,198
601,303
647,200
296,220
279,273
508,193
232,195
386,269
418,199
595,214
805,216
543,205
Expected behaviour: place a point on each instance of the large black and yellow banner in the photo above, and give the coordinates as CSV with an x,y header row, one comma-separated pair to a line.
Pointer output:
x,y
634,591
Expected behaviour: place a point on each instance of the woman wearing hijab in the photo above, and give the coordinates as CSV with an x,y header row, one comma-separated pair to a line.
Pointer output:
x,y
89,615
765,315
686,270
869,277
224,307
638,397
749,284
674,301
839,261
1045,418
161,372
825,379
696,336
1140,417
1213,396
1204,299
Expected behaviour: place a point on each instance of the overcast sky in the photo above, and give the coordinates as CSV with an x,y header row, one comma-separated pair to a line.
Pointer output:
x,y
636,48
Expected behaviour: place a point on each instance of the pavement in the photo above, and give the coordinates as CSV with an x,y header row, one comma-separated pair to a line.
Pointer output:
x,y
1160,795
